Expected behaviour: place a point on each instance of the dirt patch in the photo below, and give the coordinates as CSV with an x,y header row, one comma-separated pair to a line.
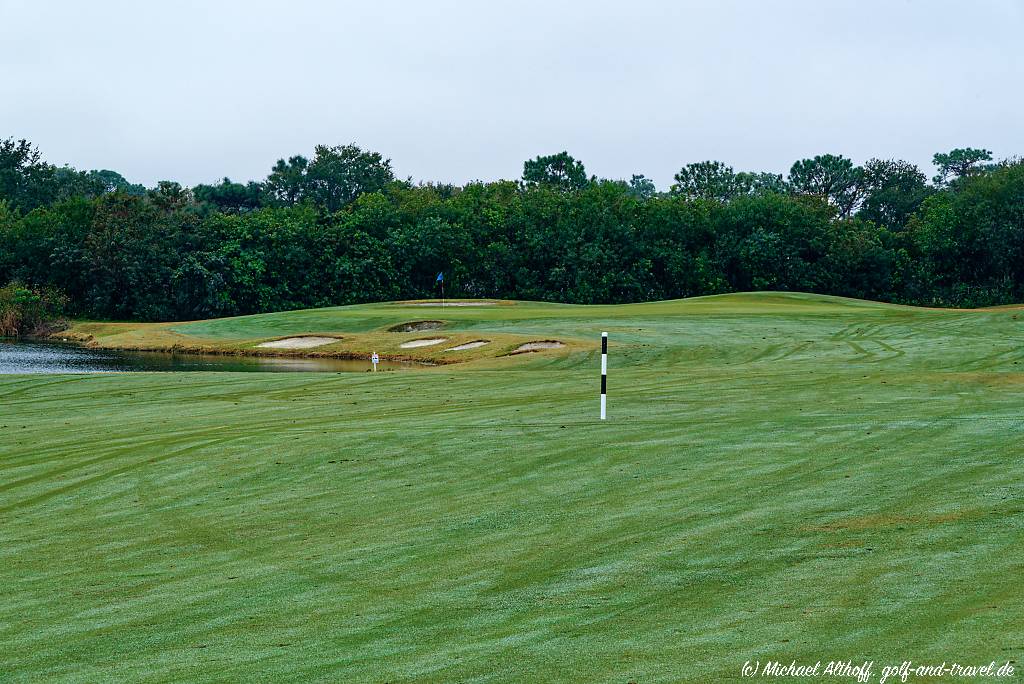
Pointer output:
x,y
303,342
539,345
416,326
412,344
469,345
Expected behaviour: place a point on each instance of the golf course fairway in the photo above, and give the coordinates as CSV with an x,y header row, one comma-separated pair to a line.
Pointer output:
x,y
781,477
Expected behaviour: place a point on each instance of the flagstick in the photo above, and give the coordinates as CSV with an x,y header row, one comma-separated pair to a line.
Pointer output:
x,y
604,373
442,294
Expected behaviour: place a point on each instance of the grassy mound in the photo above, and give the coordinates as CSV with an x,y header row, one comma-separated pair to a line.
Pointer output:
x,y
385,327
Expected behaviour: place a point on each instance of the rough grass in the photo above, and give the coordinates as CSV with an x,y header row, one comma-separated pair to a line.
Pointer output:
x,y
781,476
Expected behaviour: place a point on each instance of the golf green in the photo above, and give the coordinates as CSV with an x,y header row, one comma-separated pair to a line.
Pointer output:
x,y
785,477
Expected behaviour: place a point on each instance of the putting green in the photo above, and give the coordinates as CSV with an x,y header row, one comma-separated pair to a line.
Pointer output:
x,y
784,477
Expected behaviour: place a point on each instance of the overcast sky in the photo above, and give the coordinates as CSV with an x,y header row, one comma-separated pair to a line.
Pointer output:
x,y
455,91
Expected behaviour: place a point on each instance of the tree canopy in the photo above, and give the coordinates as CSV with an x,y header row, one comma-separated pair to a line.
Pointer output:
x,y
339,228
958,163
559,171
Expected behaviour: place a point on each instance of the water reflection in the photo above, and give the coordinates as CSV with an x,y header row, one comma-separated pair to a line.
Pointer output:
x,y
56,357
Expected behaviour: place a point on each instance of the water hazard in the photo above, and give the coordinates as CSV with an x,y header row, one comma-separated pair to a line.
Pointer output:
x,y
58,357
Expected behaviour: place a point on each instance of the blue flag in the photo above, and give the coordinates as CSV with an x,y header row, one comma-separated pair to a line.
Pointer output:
x,y
440,278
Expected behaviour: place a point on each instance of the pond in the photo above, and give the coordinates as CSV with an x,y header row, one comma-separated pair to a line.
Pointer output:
x,y
61,357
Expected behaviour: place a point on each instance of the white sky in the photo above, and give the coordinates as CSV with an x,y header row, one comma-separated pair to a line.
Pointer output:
x,y
459,90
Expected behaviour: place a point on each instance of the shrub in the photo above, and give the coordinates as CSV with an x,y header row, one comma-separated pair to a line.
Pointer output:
x,y
28,311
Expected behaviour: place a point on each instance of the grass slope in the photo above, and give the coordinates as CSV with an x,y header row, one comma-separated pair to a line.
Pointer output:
x,y
782,476
366,328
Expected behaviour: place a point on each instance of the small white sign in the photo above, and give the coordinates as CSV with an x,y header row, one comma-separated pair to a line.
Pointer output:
x,y
375,360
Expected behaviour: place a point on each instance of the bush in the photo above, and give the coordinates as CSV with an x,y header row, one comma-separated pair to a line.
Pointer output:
x,y
26,311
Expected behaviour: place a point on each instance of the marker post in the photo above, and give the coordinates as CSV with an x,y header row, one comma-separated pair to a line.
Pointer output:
x,y
604,373
374,360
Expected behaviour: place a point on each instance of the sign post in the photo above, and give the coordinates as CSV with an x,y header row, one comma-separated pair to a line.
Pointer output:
x,y
374,360
604,373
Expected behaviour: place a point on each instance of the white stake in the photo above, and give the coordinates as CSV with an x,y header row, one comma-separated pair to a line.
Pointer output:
x,y
604,373
374,360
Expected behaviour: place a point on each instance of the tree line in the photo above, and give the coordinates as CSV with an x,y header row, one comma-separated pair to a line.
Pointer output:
x,y
340,228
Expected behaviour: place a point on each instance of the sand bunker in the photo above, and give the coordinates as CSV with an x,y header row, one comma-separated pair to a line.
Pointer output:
x,y
305,342
537,346
469,345
423,343
452,304
416,326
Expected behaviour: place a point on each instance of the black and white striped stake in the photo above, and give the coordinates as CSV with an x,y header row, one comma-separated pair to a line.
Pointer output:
x,y
604,373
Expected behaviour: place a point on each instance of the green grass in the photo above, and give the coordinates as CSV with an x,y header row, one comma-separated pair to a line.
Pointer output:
x,y
781,476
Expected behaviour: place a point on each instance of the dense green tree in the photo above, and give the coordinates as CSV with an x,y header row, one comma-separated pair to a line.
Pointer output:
x,y
958,163
230,196
893,191
112,181
971,242
642,187
710,180
773,242
26,182
66,182
861,260
337,176
558,171
759,183
130,256
287,185
833,178
169,195
341,229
